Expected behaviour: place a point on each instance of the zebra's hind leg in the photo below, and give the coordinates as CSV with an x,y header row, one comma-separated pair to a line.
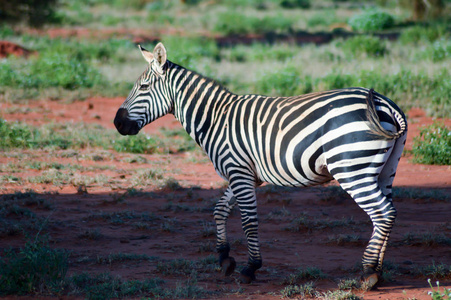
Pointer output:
x,y
221,213
369,196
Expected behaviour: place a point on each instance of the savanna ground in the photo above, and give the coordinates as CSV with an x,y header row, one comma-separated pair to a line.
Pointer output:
x,y
86,213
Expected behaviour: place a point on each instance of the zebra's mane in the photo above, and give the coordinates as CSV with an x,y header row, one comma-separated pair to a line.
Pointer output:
x,y
207,79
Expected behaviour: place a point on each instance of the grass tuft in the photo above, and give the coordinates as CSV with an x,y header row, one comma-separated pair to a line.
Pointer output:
x,y
295,291
309,273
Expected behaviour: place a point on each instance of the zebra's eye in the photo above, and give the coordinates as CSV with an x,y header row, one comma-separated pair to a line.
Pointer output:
x,y
144,87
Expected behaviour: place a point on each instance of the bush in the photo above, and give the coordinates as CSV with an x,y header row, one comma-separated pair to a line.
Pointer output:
x,y
433,146
371,21
364,44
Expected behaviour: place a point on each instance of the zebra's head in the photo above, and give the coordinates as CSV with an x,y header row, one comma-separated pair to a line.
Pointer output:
x,y
148,100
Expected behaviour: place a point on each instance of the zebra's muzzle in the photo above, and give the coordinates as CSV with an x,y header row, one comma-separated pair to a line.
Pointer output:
x,y
124,125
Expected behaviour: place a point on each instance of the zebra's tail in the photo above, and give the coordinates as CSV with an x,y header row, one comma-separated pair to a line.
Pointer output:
x,y
375,124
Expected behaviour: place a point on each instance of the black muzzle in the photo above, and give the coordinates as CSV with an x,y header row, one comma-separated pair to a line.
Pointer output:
x,y
124,125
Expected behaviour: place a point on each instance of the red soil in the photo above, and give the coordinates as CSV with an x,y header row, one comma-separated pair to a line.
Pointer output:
x,y
8,48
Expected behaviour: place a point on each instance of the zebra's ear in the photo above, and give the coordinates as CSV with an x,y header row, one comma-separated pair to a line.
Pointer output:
x,y
148,56
160,55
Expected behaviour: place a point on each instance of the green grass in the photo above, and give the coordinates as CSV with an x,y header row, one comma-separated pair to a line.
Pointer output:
x,y
60,67
337,295
295,291
433,145
106,286
17,217
434,271
402,86
35,268
237,23
419,34
427,239
360,45
82,136
302,274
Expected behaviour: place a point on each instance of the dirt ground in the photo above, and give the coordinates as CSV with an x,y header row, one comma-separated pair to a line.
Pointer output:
x,y
167,224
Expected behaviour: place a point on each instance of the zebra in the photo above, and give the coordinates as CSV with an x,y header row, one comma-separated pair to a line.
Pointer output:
x,y
353,135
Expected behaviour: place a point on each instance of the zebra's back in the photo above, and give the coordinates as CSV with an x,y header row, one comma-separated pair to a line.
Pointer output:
x,y
289,141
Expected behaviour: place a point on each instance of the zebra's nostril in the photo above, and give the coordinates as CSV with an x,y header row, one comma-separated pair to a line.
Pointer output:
x,y
121,115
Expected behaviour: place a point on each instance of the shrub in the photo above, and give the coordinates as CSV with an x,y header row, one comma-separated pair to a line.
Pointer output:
x,y
371,21
433,146
364,44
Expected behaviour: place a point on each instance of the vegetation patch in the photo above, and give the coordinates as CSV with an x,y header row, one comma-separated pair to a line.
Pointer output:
x,y
302,274
434,271
364,45
35,268
373,20
295,291
82,135
433,145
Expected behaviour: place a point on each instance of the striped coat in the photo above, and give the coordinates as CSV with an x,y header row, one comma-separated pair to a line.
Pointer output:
x,y
353,135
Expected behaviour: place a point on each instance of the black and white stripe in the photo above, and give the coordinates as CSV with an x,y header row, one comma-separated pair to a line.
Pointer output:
x,y
353,135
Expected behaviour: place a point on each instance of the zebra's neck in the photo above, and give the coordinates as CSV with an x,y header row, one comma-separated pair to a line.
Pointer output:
x,y
197,101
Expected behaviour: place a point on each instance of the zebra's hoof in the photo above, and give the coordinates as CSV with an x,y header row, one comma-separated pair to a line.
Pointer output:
x,y
247,275
228,266
369,280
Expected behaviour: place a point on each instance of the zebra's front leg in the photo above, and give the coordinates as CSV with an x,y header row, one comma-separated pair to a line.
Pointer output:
x,y
221,214
244,190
